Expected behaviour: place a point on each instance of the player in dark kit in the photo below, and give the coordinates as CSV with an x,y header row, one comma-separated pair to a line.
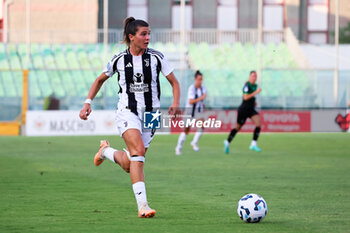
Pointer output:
x,y
245,110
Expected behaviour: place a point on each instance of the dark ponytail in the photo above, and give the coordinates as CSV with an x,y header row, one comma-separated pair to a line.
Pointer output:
x,y
130,27
197,73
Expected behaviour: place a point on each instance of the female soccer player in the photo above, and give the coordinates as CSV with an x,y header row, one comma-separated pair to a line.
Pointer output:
x,y
245,110
194,106
138,70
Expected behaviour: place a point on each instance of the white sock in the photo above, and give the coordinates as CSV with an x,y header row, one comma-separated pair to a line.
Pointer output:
x,y
140,193
253,143
197,136
181,140
109,153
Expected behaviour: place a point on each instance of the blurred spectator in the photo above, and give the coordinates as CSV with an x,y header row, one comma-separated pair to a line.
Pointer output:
x,y
51,103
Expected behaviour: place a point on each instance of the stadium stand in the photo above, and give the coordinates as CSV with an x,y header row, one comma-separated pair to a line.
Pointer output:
x,y
231,64
68,70
239,56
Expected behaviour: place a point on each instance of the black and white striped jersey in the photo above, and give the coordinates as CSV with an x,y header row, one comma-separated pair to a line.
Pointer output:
x,y
194,93
138,79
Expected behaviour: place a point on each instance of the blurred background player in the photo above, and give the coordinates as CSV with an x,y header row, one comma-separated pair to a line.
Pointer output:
x,y
138,70
194,107
245,110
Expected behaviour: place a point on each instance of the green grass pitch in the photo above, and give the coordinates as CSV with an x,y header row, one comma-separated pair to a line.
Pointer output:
x,y
49,184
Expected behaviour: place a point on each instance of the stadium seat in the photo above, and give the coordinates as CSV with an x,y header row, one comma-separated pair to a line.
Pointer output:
x,y
15,63
10,90
72,58
78,79
35,48
2,92
89,77
239,56
166,89
68,80
116,48
13,56
57,83
33,83
48,57
83,59
60,57
79,47
2,87
18,79
95,57
2,48
22,52
43,82
4,63
159,46
38,62
11,48
171,47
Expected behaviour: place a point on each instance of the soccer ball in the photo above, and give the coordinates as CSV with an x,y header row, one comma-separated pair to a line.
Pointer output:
x,y
252,208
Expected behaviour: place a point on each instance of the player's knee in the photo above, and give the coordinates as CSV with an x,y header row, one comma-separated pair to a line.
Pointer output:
x,y
140,151
137,158
138,154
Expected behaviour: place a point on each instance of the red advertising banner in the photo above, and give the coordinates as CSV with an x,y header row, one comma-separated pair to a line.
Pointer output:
x,y
271,121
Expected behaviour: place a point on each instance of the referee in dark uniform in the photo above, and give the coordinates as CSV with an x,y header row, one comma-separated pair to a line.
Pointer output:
x,y
245,110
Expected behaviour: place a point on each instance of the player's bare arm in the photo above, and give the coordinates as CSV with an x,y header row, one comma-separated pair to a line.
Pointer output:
x,y
96,86
249,96
194,101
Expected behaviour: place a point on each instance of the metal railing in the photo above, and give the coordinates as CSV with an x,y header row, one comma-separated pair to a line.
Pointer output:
x,y
282,89
210,36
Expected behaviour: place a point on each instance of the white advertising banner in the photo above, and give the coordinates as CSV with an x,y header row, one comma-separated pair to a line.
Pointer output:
x,y
57,123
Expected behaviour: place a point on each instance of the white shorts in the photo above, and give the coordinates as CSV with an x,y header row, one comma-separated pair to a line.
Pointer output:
x,y
128,120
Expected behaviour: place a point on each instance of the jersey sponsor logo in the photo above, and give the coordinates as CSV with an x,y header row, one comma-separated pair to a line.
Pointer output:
x,y
138,86
138,78
152,120
128,65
